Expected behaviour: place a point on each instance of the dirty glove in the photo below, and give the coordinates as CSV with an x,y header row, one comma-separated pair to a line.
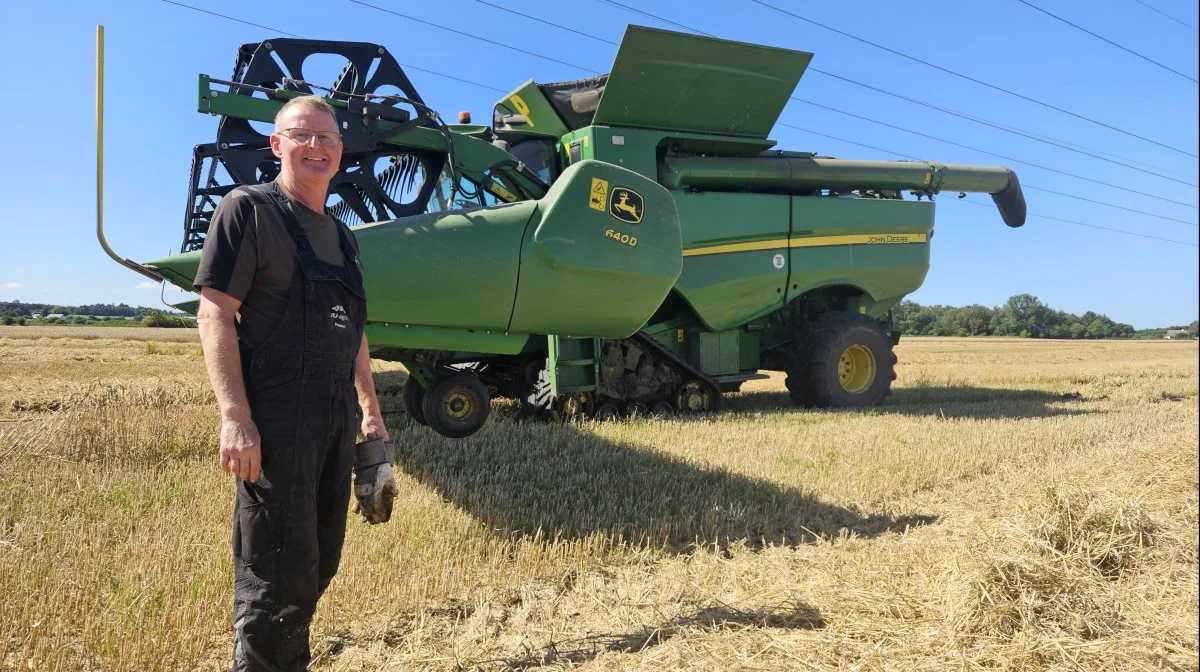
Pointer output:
x,y
374,487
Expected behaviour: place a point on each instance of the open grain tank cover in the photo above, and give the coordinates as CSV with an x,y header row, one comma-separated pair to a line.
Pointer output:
x,y
667,80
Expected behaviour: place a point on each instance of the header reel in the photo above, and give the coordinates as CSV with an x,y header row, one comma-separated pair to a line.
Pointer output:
x,y
373,183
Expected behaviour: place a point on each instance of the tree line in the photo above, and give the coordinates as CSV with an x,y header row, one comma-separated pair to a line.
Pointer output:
x,y
27,310
1023,315
18,313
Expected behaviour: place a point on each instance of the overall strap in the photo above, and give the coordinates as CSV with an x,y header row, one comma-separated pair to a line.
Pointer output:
x,y
347,274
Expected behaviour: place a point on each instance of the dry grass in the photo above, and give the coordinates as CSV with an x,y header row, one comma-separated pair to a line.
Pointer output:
x,y
1015,505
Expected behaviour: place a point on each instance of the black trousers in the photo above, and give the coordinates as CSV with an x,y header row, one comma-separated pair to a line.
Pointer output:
x,y
289,527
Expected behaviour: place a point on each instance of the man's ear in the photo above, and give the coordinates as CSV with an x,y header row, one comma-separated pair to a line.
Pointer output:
x,y
276,142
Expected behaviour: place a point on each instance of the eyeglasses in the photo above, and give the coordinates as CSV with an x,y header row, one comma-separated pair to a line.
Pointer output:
x,y
305,136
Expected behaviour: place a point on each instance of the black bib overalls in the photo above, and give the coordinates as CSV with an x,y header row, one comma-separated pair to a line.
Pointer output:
x,y
289,527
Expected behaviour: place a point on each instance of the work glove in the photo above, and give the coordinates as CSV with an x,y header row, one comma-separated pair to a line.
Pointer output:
x,y
374,486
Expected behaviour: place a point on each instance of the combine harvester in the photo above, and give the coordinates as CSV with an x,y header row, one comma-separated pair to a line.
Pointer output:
x,y
623,244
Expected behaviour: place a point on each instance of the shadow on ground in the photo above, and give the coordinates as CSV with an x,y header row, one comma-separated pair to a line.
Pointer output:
x,y
947,402
537,480
795,616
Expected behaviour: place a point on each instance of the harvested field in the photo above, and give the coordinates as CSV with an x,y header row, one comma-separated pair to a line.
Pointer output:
x,y
1015,504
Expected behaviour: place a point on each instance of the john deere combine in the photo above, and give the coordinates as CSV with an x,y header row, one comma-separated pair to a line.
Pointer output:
x,y
623,244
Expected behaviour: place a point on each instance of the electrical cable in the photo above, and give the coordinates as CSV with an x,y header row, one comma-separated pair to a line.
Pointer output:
x,y
975,80
1157,11
1031,214
1016,131
832,137
1090,226
906,130
1105,39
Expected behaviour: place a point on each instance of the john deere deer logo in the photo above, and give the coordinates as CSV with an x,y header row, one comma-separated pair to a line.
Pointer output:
x,y
625,205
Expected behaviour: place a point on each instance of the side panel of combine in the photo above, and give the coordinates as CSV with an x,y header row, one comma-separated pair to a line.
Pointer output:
x,y
600,256
418,273
880,245
735,253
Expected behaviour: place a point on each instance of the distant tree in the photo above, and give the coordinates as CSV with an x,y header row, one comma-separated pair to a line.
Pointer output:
x,y
1193,330
974,320
8,320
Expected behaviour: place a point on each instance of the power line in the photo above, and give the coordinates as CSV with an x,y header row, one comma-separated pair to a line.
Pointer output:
x,y
973,79
1185,25
1111,205
934,107
477,37
883,91
832,137
248,23
1015,131
284,32
1105,39
1091,226
925,135
1024,186
1006,158
548,23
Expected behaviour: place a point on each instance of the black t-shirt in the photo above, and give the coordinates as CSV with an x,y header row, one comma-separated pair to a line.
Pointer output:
x,y
249,255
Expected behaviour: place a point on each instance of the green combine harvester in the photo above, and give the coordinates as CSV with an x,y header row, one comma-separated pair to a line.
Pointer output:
x,y
625,244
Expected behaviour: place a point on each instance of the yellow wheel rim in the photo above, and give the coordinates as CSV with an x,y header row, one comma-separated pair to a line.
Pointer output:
x,y
694,397
457,404
856,369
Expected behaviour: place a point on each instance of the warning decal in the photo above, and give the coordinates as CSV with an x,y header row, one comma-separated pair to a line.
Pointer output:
x,y
599,196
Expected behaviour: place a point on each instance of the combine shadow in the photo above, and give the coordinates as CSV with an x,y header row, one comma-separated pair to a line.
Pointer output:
x,y
559,482
795,616
946,402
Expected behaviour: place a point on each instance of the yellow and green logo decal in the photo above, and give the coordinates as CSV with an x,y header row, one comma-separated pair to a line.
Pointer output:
x,y
626,205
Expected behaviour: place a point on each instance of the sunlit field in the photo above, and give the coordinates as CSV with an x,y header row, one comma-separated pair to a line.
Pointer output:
x,y
1015,504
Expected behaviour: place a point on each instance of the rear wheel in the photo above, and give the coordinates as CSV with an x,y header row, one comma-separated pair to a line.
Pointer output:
x,y
457,405
841,360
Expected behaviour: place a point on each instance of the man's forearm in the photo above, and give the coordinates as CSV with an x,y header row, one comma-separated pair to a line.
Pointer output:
x,y
224,363
364,382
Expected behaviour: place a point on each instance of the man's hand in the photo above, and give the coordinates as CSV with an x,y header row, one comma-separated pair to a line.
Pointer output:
x,y
374,486
373,427
241,453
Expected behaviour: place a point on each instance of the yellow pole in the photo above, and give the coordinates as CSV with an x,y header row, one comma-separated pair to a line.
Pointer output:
x,y
132,265
100,134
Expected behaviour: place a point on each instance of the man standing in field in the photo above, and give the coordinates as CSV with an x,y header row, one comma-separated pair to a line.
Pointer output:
x,y
281,318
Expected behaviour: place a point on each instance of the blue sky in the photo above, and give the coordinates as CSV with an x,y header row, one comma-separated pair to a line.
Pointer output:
x,y
154,50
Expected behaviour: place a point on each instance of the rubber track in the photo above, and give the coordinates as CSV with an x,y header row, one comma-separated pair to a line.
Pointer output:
x,y
645,339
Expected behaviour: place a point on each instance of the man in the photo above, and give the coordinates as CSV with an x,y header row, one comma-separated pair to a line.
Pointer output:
x,y
281,318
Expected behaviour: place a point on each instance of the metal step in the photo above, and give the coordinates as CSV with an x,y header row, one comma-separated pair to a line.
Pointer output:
x,y
740,377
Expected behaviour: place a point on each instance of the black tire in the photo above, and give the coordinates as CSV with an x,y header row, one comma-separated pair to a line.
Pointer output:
x,y
662,409
841,360
414,394
457,405
573,406
607,411
696,396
